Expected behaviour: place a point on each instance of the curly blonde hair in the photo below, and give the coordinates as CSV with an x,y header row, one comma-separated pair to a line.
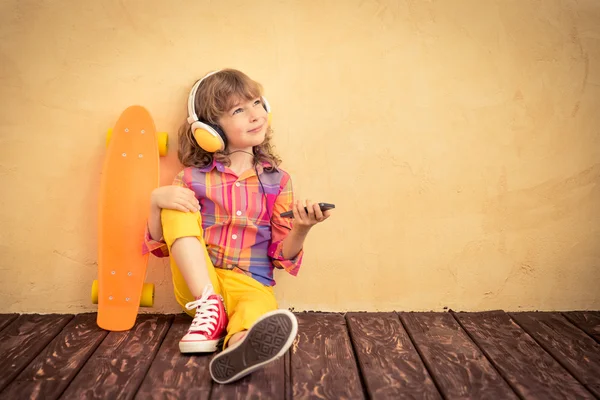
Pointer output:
x,y
215,96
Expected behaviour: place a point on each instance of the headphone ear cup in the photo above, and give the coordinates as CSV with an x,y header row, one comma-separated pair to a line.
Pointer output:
x,y
207,137
267,108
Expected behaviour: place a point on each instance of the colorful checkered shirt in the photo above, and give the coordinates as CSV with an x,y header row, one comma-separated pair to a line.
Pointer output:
x,y
242,227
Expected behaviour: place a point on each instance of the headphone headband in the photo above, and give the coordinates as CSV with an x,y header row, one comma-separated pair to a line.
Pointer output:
x,y
192,117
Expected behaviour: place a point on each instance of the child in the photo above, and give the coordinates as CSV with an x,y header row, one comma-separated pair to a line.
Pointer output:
x,y
220,222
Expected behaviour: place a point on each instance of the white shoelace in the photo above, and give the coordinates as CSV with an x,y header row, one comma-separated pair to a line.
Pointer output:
x,y
206,312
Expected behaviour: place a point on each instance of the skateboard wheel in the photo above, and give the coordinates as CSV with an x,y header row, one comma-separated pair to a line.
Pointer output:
x,y
95,292
147,298
108,136
163,143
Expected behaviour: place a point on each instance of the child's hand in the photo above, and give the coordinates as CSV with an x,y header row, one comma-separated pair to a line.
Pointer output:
x,y
306,220
175,198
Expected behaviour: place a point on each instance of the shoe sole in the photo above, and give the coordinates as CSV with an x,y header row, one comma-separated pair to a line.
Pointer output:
x,y
267,340
200,347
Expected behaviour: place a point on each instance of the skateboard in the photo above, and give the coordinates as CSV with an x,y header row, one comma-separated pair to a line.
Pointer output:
x,y
129,174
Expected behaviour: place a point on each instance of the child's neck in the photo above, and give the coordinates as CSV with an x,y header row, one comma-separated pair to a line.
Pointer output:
x,y
241,160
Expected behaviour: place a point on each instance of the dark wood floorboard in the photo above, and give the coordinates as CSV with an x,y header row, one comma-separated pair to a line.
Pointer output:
x,y
119,364
569,345
6,319
24,339
389,363
358,355
50,372
532,372
174,375
322,360
587,321
456,364
288,375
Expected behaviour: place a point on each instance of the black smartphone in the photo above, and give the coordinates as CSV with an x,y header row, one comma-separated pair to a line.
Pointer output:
x,y
324,207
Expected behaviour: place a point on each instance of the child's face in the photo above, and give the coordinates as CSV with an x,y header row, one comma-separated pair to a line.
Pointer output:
x,y
245,124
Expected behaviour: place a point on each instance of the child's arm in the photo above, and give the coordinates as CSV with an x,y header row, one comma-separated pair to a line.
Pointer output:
x,y
176,197
303,222
288,235
154,225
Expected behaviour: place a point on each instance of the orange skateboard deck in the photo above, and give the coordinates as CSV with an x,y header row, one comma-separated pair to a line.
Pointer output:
x,y
129,174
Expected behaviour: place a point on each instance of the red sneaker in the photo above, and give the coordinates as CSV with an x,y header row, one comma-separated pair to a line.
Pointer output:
x,y
209,327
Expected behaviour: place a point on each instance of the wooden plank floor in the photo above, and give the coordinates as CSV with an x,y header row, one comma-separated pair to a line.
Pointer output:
x,y
488,355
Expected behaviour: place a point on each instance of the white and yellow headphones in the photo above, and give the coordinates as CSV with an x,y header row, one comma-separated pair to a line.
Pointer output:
x,y
210,136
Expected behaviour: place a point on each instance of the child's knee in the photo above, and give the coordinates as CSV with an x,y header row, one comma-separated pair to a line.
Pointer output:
x,y
177,224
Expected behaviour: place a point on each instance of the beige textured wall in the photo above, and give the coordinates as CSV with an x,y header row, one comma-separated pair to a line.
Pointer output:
x,y
460,141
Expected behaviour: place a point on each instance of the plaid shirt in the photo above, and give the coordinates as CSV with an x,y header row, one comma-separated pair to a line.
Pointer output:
x,y
242,231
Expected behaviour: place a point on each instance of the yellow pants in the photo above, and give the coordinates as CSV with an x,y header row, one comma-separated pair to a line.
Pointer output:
x,y
245,298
